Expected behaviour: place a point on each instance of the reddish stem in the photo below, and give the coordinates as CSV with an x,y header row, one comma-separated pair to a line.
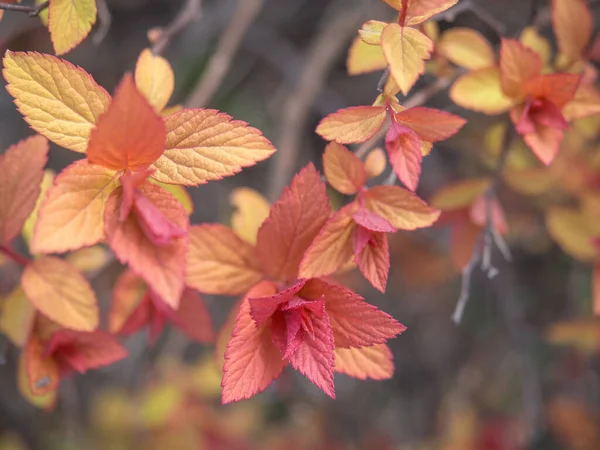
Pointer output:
x,y
16,257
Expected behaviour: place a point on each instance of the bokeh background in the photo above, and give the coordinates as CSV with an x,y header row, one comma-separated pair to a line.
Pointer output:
x,y
519,372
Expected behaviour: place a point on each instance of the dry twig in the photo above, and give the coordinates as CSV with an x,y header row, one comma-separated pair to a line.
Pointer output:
x,y
190,12
32,11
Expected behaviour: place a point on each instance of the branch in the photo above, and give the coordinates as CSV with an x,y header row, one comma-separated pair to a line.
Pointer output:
x,y
190,12
228,45
32,11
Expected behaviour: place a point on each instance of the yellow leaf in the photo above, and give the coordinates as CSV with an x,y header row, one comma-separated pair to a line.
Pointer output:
x,y
155,79
583,334
204,144
69,22
179,193
27,231
61,293
376,162
467,48
406,50
370,32
44,14
461,194
481,91
17,317
59,101
89,259
72,215
159,403
364,58
375,362
573,231
573,25
251,210
535,41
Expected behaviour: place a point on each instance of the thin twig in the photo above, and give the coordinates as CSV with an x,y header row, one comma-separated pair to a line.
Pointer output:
x,y
465,284
190,12
104,21
325,48
32,11
229,43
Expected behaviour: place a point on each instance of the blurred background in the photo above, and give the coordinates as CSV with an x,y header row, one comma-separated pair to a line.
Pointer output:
x,y
519,372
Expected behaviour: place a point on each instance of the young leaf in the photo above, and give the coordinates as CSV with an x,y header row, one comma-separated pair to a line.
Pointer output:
x,y
375,362
481,91
42,370
252,361
61,293
518,66
343,169
355,323
404,149
251,210
558,88
352,125
372,221
294,221
129,135
374,260
17,317
573,26
430,124
403,209
364,58
204,144
466,48
57,99
406,50
219,262
155,79
69,22
21,172
163,267
72,214
126,297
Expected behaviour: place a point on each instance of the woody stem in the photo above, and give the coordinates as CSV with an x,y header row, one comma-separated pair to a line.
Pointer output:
x,y
33,11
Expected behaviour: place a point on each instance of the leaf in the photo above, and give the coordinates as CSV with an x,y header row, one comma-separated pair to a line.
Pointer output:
x,y
28,226
364,58
585,103
419,11
61,293
251,210
126,297
129,135
460,194
180,194
466,48
403,209
219,262
430,124
518,66
69,22
155,79
18,315
404,150
544,141
43,15
573,232
46,401
294,221
372,221
81,351
204,144
375,362
59,100
531,38
252,361
584,334
331,249
192,317
573,26
370,32
374,260
315,356
558,88
42,370
481,91
163,268
72,214
352,125
21,172
343,169
375,163
355,323
405,50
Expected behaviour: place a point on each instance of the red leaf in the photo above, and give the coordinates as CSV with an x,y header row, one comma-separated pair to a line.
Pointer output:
x,y
130,182
372,221
128,293
359,240
192,317
262,308
158,229
252,361
374,260
404,149
129,135
294,222
430,124
355,323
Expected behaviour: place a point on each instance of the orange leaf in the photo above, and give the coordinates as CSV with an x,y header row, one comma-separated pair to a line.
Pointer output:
x,y
42,370
481,91
252,209
294,221
332,248
596,289
72,214
252,361
204,144
518,66
192,317
375,362
343,169
430,124
16,321
404,149
403,209
573,26
162,268
219,262
364,58
129,135
155,79
419,11
57,99
59,291
374,260
127,294
352,125
21,172
585,103
46,401
375,163
406,50
466,48
559,88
